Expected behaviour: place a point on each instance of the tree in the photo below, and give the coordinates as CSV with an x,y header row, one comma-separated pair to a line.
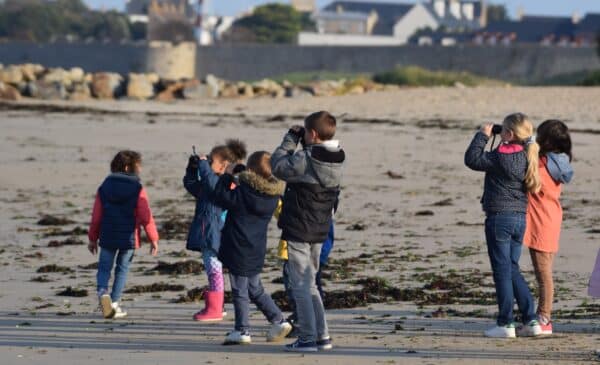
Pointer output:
x,y
272,23
496,13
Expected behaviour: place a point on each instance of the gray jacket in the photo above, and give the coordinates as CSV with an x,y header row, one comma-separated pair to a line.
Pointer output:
x,y
504,186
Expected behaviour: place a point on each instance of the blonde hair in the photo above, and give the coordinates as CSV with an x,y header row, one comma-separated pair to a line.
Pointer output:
x,y
522,129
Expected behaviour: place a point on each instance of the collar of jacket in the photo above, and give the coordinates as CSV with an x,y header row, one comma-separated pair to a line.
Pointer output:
x,y
272,186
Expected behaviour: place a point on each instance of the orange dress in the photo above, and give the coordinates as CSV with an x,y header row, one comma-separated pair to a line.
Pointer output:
x,y
544,214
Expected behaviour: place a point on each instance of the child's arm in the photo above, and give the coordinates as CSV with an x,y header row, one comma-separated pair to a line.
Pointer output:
x,y
475,157
207,176
94,230
145,219
224,195
286,163
190,180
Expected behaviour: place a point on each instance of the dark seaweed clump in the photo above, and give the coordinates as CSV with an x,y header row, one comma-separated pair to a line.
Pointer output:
x,y
174,228
73,292
77,231
50,220
40,279
92,266
196,295
155,288
67,242
54,268
177,268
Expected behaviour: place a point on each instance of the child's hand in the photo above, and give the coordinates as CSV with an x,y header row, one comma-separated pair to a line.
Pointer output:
x,y
154,248
193,162
297,131
487,129
93,247
203,158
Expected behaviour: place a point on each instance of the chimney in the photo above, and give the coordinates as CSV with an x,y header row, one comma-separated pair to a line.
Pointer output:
x,y
455,8
468,11
575,18
520,13
439,6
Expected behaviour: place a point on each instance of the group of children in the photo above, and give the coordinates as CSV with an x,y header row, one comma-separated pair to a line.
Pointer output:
x,y
234,204
299,183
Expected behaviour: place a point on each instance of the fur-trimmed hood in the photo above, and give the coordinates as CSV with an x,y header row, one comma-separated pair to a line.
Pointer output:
x,y
272,186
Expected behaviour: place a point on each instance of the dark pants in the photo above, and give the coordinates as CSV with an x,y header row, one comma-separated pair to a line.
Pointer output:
x,y
245,289
288,290
504,235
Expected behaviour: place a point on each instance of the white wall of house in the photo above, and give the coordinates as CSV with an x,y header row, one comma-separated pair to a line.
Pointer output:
x,y
418,17
316,39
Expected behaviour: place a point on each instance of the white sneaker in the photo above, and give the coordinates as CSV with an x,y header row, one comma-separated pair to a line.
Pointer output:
x,y
106,305
278,331
237,338
119,312
531,329
507,331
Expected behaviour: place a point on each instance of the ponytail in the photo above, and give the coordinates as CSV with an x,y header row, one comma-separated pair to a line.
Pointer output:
x,y
532,176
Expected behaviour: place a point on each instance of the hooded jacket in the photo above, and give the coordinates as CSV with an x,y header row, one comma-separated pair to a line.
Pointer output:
x,y
205,230
313,176
505,168
120,208
250,203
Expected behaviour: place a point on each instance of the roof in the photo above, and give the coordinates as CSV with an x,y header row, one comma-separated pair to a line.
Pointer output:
x,y
140,7
347,15
388,13
590,24
532,29
451,22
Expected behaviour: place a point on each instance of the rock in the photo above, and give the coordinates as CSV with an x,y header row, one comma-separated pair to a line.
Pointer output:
x,y
355,90
11,75
268,87
172,91
106,85
31,71
58,75
139,87
153,78
47,90
76,75
196,91
459,85
9,92
80,92
230,91
297,92
214,85
325,88
245,90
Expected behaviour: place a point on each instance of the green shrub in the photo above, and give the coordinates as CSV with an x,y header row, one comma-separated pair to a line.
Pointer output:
x,y
417,76
592,79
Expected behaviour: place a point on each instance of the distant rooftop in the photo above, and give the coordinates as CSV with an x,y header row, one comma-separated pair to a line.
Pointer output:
x,y
388,13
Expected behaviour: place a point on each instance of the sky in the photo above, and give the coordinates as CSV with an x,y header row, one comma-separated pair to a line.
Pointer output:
x,y
537,7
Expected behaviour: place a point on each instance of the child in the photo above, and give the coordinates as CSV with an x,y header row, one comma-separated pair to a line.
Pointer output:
x,y
544,213
205,231
511,171
313,177
120,208
250,205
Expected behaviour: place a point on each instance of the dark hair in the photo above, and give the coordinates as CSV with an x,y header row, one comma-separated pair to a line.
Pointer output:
x,y
222,152
553,136
323,123
260,163
125,161
237,148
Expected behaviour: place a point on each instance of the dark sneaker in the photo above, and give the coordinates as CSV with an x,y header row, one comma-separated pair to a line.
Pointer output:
x,y
324,344
302,346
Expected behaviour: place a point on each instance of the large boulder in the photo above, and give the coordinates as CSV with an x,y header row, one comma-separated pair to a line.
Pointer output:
x,y
58,75
139,87
47,90
11,75
76,75
230,91
245,90
9,92
195,90
297,92
268,87
31,71
106,85
174,90
80,92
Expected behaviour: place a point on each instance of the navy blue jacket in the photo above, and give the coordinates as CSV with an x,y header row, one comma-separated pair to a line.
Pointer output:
x,y
205,230
119,196
250,207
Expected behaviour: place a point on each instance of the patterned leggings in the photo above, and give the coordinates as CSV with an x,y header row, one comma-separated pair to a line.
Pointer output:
x,y
214,270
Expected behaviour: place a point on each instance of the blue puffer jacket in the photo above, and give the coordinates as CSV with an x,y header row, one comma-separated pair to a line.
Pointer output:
x,y
205,231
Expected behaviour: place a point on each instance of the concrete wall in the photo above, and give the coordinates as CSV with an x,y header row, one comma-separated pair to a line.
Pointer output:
x,y
250,62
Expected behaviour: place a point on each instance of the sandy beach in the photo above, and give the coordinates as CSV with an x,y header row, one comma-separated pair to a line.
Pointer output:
x,y
409,279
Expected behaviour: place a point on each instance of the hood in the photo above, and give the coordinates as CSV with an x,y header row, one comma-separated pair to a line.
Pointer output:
x,y
119,187
273,186
559,167
327,160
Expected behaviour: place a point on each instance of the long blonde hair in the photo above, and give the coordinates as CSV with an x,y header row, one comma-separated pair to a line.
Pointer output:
x,y
522,129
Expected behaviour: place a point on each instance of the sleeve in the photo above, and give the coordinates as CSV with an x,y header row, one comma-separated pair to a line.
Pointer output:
x,y
475,157
224,196
207,177
94,231
286,163
191,183
144,216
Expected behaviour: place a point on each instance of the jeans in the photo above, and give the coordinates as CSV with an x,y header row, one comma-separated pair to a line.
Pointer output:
x,y
303,264
288,290
105,264
504,235
245,289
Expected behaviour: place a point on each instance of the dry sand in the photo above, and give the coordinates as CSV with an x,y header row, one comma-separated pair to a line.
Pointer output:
x,y
419,230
